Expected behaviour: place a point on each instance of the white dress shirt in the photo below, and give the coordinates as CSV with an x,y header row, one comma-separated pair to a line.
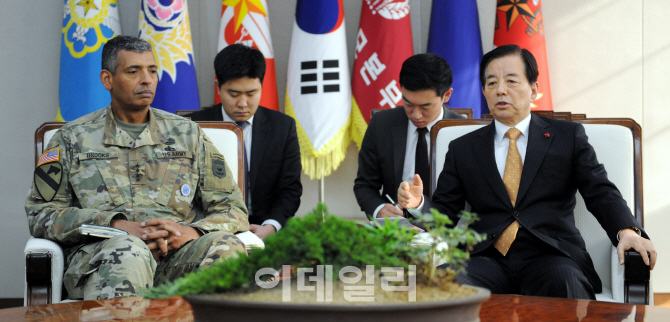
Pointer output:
x,y
501,142
408,169
501,145
248,131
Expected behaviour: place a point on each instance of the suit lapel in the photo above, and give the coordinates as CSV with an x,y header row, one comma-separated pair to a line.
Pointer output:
x,y
535,151
399,131
487,163
260,134
217,113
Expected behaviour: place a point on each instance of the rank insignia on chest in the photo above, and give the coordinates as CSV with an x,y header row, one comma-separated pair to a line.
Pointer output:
x,y
47,179
218,167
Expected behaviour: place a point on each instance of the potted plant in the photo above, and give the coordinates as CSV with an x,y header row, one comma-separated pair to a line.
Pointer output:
x,y
341,269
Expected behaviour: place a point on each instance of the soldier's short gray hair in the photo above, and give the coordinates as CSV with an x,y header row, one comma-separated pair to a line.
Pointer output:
x,y
111,49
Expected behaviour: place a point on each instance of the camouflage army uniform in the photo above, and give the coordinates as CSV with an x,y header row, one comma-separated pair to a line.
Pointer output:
x,y
170,169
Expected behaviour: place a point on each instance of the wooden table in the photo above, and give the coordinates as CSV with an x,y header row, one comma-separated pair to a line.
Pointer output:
x,y
498,308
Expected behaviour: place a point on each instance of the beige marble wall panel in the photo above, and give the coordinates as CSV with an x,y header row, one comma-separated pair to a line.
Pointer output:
x,y
656,135
594,50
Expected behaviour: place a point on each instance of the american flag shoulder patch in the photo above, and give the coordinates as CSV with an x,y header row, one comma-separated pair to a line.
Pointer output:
x,y
49,156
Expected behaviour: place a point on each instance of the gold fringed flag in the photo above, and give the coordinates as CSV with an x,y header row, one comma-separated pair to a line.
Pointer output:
x,y
318,95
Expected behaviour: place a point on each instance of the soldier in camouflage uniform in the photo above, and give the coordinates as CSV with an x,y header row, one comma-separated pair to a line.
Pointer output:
x,y
141,170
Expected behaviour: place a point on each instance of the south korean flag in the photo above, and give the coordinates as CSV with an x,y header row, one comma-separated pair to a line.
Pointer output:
x,y
318,87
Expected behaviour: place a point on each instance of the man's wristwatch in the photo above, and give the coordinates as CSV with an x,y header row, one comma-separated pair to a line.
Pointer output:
x,y
637,230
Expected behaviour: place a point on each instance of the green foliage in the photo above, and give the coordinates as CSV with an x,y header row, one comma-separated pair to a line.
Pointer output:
x,y
316,239
459,238
323,239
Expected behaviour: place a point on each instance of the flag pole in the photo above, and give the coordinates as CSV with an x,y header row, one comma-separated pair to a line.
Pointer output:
x,y
322,193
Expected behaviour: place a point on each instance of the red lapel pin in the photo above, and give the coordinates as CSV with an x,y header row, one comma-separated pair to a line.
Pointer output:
x,y
546,135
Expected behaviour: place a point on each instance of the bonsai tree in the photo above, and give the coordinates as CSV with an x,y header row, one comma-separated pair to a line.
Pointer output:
x,y
459,240
323,239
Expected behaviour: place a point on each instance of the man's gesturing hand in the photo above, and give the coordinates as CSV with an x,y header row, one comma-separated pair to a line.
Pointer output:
x,y
410,195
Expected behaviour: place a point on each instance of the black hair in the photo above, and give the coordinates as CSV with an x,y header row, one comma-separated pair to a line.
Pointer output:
x,y
110,52
510,50
238,61
426,71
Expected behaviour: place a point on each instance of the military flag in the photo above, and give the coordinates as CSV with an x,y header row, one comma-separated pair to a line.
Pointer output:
x,y
165,25
246,22
520,22
383,42
87,26
454,35
318,93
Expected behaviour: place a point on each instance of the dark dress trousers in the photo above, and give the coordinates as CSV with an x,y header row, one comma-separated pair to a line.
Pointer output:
x,y
382,157
275,163
559,161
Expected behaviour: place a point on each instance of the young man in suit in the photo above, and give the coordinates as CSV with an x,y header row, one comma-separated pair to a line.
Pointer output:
x,y
397,141
520,174
272,163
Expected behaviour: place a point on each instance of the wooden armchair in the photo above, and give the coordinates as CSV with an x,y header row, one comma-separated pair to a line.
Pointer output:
x,y
629,283
44,258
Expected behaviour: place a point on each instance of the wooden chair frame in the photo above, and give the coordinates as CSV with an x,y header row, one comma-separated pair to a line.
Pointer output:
x,y
39,137
468,112
460,110
240,145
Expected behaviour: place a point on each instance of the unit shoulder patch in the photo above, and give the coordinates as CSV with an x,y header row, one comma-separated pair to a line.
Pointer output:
x,y
48,177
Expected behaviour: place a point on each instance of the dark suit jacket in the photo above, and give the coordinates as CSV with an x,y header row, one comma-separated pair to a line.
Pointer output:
x,y
275,163
382,157
555,168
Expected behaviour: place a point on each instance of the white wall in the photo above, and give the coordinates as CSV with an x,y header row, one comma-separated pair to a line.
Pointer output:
x,y
607,58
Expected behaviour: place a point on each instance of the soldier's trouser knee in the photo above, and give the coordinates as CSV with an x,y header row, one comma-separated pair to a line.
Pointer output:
x,y
198,253
120,266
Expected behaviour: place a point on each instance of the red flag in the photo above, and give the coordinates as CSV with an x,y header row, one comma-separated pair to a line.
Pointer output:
x,y
383,43
520,22
246,22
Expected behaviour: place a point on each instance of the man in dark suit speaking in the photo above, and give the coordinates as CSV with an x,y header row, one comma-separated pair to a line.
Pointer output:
x,y
395,146
520,174
272,164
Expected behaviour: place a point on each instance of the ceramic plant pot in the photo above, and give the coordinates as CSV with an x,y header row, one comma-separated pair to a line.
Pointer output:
x,y
206,308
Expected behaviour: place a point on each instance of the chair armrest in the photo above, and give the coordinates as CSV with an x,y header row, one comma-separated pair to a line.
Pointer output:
x,y
44,272
636,279
617,276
